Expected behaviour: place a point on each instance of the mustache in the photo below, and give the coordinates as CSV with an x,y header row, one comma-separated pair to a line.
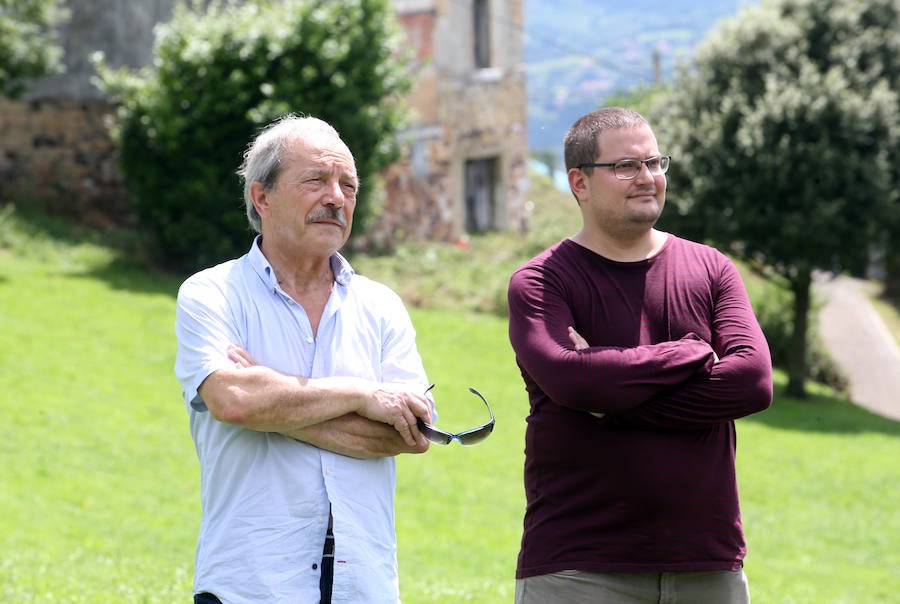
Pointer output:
x,y
328,213
645,191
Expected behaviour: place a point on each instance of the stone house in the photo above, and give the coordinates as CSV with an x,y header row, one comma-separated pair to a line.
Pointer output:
x,y
466,169
465,164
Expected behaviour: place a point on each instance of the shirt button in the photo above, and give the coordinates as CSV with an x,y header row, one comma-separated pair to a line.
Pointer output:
x,y
315,566
309,340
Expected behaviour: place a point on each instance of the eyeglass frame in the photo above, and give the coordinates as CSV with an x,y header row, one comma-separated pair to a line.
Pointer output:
x,y
643,162
440,437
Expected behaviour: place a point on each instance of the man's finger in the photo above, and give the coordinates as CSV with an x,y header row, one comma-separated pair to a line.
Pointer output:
x,y
403,428
240,356
577,341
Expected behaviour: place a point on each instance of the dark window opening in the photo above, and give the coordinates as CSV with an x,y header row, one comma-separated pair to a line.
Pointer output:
x,y
481,177
482,33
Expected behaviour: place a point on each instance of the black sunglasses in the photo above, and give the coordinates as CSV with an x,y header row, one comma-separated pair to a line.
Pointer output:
x,y
469,437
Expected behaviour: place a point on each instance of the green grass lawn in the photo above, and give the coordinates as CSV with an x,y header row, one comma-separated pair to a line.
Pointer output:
x,y
99,499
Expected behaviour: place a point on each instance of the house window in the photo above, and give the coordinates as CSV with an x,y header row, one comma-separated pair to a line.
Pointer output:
x,y
481,23
481,177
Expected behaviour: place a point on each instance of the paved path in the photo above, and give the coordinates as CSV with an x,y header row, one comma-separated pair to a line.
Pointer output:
x,y
860,344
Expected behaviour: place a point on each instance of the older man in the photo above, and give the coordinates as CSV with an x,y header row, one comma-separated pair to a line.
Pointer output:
x,y
302,381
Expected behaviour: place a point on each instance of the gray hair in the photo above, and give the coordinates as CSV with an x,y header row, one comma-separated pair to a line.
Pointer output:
x,y
581,146
264,157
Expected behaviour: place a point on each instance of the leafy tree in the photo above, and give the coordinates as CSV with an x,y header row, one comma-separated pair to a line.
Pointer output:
x,y
641,98
29,42
784,132
223,72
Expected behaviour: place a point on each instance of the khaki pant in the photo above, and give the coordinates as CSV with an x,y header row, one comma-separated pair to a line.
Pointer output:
x,y
581,587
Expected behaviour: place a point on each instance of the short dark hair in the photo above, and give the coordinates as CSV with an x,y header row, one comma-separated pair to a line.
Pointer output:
x,y
581,145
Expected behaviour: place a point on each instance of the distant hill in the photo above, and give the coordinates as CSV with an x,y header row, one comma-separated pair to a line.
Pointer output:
x,y
579,51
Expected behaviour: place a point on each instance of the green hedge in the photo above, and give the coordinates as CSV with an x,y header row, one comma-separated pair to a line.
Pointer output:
x,y
219,76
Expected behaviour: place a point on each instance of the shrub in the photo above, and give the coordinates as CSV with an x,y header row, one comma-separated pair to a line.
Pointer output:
x,y
29,42
222,73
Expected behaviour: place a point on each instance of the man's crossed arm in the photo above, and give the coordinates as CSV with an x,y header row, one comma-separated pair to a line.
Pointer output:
x,y
347,415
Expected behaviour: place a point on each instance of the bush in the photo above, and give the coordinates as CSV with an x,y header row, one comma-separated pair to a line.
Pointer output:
x,y
222,74
29,42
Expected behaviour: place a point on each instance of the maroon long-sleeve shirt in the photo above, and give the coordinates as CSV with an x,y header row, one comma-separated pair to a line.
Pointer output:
x,y
650,487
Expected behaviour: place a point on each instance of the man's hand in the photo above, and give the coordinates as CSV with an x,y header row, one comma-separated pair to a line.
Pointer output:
x,y
399,407
356,436
580,344
241,357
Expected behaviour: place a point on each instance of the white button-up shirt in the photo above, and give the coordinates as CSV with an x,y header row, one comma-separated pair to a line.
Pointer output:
x,y
266,497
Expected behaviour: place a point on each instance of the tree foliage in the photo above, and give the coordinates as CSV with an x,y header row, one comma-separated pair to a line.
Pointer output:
x,y
223,72
641,98
784,131
29,42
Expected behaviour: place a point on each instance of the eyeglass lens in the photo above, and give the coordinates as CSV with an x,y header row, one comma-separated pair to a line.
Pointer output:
x,y
469,437
630,168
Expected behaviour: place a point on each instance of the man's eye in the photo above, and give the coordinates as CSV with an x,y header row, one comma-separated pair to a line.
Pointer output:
x,y
628,164
653,164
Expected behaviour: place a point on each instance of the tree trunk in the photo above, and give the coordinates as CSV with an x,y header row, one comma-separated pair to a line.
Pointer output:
x,y
797,370
892,270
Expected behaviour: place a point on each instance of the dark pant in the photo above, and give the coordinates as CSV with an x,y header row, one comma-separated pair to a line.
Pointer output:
x,y
327,577
206,598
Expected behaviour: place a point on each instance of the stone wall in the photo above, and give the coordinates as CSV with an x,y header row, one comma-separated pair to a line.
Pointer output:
x,y
57,153
424,193
462,114
55,146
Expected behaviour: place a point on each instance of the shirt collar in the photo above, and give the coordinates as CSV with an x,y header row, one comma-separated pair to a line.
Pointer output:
x,y
341,268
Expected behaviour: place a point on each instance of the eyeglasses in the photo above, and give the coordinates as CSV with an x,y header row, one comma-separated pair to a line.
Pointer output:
x,y
469,437
626,169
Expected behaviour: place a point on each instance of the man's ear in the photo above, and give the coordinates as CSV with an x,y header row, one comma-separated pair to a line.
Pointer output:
x,y
578,184
259,197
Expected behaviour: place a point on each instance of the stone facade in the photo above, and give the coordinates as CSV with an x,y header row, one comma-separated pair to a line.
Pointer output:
x,y
464,114
465,161
55,149
57,153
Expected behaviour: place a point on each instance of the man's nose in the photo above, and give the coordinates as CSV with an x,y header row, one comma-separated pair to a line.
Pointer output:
x,y
644,174
334,194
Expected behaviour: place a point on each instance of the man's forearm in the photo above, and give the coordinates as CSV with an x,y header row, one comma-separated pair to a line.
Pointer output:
x,y
620,377
613,379
260,398
740,385
355,436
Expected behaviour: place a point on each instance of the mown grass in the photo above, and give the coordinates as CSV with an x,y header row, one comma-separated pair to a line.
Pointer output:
x,y
99,497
